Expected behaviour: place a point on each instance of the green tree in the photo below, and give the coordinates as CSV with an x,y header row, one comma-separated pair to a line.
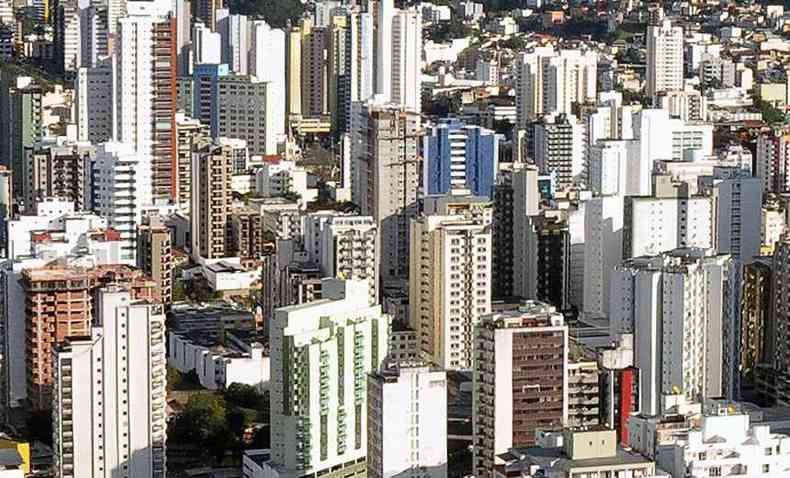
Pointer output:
x,y
204,415
244,395
769,112
277,13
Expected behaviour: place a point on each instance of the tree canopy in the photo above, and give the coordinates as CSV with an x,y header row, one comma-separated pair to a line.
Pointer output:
x,y
277,13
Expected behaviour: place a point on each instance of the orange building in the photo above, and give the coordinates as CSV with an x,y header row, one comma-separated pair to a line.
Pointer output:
x,y
58,305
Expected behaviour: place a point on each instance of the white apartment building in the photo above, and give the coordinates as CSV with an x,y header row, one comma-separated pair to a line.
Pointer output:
x,y
267,63
122,188
681,306
661,138
283,177
450,276
520,381
725,443
93,88
144,98
405,84
603,249
614,168
282,218
407,422
321,353
348,250
654,225
550,81
664,58
685,105
6,12
611,121
68,37
360,62
109,398
206,45
236,362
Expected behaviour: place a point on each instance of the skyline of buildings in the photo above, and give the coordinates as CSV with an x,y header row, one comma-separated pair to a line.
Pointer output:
x,y
394,239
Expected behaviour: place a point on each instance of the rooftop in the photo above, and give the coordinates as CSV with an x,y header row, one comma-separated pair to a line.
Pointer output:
x,y
556,459
10,457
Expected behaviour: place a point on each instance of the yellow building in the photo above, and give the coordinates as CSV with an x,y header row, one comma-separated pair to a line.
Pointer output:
x,y
22,448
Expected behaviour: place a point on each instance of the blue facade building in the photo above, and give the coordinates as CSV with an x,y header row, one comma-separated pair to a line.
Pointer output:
x,y
459,156
205,105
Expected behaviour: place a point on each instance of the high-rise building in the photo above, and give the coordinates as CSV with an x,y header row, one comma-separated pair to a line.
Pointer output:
x,y
246,112
183,12
664,58
246,235
348,250
315,72
206,46
516,200
338,72
614,169
235,34
459,156
407,422
683,311
155,255
293,71
67,41
94,35
359,82
450,276
205,11
778,333
267,64
236,106
755,309
603,249
189,133
145,64
773,158
551,81
545,252
110,398
520,381
7,12
94,102
116,9
685,105
397,46
20,122
71,291
212,170
560,149
121,188
737,200
404,86
686,221
53,170
385,173
321,353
